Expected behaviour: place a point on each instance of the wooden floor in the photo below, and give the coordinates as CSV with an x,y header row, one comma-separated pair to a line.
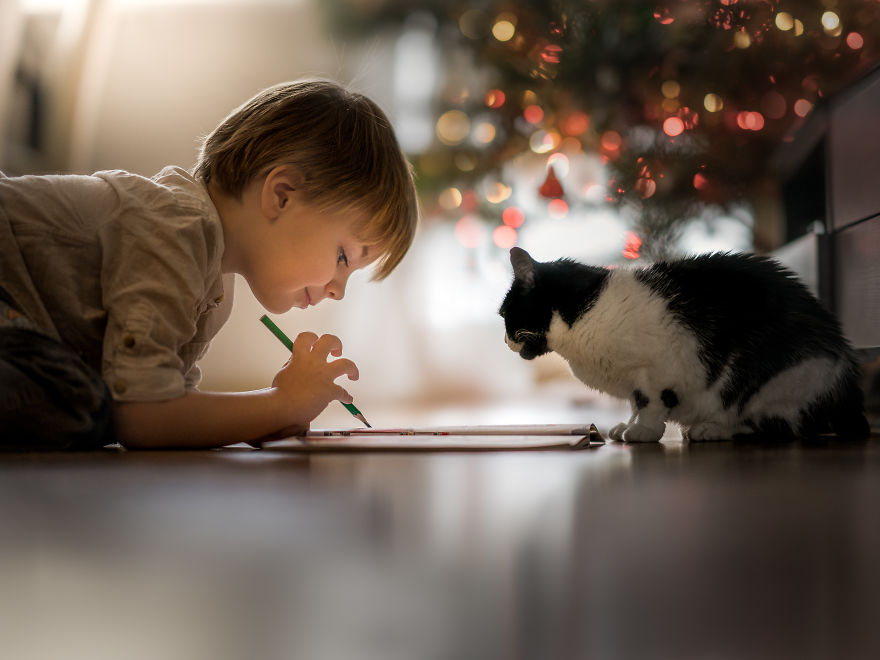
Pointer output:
x,y
664,551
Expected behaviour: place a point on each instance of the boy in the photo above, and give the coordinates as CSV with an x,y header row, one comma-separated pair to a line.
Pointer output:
x,y
113,285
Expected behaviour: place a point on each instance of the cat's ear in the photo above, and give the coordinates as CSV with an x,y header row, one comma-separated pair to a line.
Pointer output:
x,y
523,266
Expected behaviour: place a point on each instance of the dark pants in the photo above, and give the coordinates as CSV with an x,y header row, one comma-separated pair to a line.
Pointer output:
x,y
49,397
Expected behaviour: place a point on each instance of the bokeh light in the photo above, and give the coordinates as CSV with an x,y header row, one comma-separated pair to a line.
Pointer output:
x,y
802,107
557,208
784,21
497,192
670,89
495,98
773,105
542,142
632,245
473,24
504,27
830,22
673,126
453,127
533,114
560,164
713,102
646,187
854,40
513,216
611,141
449,199
576,123
484,132
663,16
742,40
749,120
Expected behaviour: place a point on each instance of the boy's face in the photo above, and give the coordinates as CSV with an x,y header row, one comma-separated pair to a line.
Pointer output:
x,y
304,256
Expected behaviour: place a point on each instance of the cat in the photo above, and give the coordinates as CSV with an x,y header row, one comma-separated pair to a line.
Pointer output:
x,y
727,345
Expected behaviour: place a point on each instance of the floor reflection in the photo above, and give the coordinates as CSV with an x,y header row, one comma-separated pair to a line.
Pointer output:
x,y
644,551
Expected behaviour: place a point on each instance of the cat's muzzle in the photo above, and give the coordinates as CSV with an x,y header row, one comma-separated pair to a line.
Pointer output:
x,y
526,350
515,346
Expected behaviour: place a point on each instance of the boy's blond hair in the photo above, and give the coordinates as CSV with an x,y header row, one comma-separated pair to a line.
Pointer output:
x,y
341,143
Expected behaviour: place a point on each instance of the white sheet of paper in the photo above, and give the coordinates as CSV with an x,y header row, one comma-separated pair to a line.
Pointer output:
x,y
447,438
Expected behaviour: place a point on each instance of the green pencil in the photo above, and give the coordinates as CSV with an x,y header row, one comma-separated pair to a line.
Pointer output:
x,y
284,339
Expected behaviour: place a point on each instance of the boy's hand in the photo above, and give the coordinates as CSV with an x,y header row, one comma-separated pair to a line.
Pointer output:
x,y
307,380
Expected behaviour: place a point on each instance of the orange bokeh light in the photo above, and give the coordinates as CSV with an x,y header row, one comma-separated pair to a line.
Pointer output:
x,y
576,123
533,113
611,140
558,208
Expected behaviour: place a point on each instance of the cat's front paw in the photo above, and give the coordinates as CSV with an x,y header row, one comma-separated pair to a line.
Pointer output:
x,y
616,432
643,433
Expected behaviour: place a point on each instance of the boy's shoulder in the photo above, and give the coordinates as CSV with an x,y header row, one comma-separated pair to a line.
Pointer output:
x,y
171,192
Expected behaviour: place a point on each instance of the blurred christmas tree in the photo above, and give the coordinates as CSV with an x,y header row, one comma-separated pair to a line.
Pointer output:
x,y
683,100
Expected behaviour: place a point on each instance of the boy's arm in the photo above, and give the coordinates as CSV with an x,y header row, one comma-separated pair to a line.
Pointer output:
x,y
300,391
202,420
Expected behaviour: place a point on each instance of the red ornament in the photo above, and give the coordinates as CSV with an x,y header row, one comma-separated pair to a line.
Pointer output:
x,y
551,188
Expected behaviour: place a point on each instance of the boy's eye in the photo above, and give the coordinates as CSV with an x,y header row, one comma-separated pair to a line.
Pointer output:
x,y
341,258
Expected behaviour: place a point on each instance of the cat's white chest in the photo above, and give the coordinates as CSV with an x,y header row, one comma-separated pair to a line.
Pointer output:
x,y
628,330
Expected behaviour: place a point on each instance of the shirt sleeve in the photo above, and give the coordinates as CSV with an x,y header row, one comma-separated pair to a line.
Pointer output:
x,y
154,264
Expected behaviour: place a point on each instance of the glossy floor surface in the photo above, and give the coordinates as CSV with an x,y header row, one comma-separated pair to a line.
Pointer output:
x,y
661,551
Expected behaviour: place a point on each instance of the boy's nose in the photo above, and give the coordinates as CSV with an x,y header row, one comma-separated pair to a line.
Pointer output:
x,y
335,289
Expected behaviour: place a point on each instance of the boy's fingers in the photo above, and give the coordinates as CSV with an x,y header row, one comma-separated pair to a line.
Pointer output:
x,y
327,344
344,367
343,395
304,340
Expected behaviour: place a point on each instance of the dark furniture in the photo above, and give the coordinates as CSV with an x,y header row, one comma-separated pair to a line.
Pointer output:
x,y
830,174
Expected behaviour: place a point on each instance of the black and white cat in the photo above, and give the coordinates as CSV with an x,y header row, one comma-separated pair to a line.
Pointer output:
x,y
726,345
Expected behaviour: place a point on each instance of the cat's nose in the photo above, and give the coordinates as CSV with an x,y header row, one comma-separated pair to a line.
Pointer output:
x,y
516,347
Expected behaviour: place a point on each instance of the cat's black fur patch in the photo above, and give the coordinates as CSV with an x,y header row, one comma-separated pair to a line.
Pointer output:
x,y
747,312
640,399
669,398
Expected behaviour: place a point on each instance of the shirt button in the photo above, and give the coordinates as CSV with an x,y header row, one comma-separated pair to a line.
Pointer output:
x,y
120,386
128,341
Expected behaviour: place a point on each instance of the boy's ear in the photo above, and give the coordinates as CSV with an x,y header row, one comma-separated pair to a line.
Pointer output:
x,y
278,189
523,266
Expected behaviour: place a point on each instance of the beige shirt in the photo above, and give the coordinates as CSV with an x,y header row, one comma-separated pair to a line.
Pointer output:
x,y
123,269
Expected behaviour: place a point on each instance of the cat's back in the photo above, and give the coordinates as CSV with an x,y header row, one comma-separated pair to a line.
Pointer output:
x,y
728,295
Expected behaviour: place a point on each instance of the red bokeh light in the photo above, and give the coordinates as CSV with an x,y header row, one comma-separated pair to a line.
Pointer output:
x,y
673,126
513,216
495,98
504,236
